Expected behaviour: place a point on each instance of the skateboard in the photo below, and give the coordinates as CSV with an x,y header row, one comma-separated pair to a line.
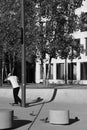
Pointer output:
x,y
33,102
39,99
14,104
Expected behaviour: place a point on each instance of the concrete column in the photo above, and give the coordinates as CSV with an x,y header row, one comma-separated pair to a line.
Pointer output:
x,y
37,73
78,71
6,119
54,72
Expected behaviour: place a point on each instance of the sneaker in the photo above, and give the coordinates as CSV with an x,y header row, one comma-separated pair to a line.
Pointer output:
x,y
14,104
20,104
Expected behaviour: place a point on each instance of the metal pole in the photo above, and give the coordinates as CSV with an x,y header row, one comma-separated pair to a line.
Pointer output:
x,y
23,93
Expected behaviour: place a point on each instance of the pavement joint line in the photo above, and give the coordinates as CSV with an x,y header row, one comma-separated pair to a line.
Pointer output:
x,y
36,116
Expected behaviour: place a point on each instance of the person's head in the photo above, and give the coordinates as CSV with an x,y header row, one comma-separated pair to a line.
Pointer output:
x,y
9,75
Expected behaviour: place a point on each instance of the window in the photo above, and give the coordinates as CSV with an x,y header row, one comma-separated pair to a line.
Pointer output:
x,y
60,71
51,71
72,71
83,70
75,48
41,72
83,22
77,41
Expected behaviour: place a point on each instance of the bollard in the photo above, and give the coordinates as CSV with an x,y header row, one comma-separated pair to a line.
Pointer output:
x,y
59,116
6,118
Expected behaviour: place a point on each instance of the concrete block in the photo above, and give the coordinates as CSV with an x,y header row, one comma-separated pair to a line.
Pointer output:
x,y
59,116
6,118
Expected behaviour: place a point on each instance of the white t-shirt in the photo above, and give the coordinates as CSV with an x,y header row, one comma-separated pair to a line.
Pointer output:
x,y
14,81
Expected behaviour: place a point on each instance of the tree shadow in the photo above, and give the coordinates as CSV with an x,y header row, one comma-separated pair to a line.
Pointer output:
x,y
53,96
19,123
40,100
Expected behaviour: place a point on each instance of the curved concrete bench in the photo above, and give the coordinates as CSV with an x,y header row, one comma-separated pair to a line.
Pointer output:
x,y
59,116
6,118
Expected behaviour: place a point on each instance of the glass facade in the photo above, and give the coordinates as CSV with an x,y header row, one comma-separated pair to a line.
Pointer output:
x,y
72,71
41,71
46,70
51,71
83,70
60,71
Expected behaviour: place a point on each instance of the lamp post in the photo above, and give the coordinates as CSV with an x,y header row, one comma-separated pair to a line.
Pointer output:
x,y
23,93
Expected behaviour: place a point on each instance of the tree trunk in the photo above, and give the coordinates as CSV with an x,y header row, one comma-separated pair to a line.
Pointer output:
x,y
13,67
44,76
48,72
43,72
6,71
9,64
3,67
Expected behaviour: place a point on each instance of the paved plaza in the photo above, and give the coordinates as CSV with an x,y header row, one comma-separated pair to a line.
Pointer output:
x,y
32,117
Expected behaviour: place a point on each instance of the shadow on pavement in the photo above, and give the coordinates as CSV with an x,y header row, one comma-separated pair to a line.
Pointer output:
x,y
53,96
71,121
19,123
38,101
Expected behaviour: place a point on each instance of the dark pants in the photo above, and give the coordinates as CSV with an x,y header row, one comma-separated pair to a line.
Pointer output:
x,y
15,94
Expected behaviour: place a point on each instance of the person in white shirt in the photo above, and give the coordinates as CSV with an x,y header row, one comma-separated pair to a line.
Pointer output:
x,y
16,87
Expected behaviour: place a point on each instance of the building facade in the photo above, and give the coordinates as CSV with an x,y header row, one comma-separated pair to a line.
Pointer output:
x,y
57,72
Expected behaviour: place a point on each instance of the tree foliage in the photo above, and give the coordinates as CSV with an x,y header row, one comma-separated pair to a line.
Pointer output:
x,y
60,22
48,24
10,29
83,21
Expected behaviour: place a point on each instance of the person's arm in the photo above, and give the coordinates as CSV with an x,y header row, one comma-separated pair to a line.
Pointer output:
x,y
6,79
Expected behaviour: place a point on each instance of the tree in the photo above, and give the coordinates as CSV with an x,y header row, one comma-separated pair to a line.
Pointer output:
x,y
41,37
83,21
61,22
10,31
